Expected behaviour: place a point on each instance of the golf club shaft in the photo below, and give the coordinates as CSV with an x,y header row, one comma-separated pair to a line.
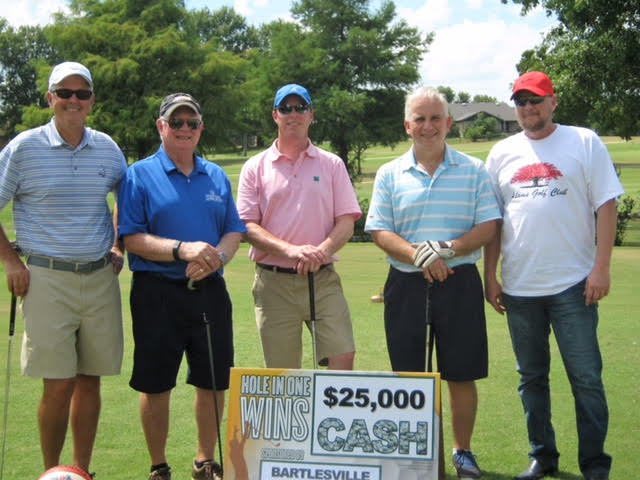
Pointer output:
x,y
312,316
429,332
12,327
213,374
429,368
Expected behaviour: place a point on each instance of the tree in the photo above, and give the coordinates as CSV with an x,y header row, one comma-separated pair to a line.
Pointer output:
x,y
536,172
593,58
21,51
138,51
356,63
484,99
224,28
484,126
448,93
463,97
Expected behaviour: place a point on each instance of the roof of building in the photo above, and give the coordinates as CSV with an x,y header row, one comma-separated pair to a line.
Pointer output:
x,y
464,111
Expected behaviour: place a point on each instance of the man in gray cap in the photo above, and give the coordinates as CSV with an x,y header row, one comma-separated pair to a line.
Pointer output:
x,y
299,208
58,176
180,226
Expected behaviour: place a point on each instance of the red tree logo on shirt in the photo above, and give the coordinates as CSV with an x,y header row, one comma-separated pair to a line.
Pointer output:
x,y
535,173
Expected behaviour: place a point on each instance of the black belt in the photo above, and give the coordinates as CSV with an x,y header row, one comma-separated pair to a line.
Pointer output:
x,y
183,282
276,269
75,267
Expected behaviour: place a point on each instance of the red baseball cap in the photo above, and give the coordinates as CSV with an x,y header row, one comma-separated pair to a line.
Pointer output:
x,y
534,82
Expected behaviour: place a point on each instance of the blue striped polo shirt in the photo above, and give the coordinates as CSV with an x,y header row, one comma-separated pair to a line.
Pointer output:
x,y
410,203
60,193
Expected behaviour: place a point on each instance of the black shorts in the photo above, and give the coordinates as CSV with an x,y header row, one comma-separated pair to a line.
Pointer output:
x,y
457,317
168,322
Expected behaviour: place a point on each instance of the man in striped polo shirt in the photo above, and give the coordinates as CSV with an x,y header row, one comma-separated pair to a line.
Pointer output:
x,y
431,211
58,176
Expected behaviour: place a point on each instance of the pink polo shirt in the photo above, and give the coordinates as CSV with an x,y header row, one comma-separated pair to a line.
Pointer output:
x,y
297,201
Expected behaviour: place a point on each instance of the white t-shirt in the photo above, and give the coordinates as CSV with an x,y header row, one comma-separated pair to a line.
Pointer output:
x,y
549,190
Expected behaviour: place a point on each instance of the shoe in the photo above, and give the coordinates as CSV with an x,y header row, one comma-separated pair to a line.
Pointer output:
x,y
599,474
538,469
465,463
209,470
162,473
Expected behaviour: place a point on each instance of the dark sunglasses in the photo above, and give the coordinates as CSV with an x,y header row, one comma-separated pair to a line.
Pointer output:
x,y
68,93
287,109
521,102
177,123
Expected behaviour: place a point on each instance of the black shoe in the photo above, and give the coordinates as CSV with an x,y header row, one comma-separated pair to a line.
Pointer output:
x,y
538,469
599,474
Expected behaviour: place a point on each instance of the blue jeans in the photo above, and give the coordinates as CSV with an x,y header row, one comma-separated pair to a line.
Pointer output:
x,y
574,325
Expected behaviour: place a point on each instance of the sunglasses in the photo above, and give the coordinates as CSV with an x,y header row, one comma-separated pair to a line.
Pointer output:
x,y
287,109
521,102
177,123
67,93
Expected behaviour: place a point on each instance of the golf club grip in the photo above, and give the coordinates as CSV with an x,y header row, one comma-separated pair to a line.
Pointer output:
x,y
12,315
312,297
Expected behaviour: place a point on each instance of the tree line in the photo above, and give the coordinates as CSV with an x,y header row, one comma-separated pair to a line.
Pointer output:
x,y
357,62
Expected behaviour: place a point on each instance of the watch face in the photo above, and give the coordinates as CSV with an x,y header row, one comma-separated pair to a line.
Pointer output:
x,y
223,258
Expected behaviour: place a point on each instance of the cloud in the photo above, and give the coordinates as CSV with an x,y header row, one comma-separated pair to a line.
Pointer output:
x,y
475,49
33,12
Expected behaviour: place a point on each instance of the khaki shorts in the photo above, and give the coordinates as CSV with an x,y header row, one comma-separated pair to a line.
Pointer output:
x,y
281,307
72,324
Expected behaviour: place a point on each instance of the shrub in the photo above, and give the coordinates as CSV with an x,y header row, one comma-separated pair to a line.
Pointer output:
x,y
625,213
359,235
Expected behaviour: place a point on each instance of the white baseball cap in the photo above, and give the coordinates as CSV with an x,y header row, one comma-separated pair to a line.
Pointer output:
x,y
66,69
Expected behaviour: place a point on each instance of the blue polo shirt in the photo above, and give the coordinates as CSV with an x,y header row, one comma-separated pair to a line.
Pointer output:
x,y
418,207
59,192
156,198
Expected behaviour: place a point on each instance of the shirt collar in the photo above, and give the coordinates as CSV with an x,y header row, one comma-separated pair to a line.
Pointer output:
x,y
56,140
274,154
169,166
408,160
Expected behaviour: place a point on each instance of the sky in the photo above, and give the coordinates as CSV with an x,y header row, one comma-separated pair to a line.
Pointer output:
x,y
476,47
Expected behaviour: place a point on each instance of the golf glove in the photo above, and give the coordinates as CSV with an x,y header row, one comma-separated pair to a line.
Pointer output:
x,y
428,252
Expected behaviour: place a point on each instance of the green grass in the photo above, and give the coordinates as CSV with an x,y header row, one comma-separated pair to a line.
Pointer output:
x,y
500,437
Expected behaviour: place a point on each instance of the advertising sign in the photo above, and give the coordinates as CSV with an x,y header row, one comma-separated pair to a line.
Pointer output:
x,y
339,425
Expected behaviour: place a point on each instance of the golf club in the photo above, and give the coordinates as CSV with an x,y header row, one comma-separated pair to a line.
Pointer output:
x,y
12,325
312,317
207,326
429,368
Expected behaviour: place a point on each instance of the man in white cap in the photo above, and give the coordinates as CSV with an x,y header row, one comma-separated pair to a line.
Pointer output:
x,y
58,176
299,208
557,188
181,227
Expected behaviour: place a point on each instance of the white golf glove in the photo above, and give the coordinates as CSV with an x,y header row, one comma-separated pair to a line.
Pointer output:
x,y
428,252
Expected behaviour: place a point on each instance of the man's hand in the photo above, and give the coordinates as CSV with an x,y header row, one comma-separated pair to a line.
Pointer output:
x,y
428,252
117,259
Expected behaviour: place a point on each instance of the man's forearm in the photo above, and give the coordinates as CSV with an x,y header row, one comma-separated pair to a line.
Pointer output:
x,y
491,256
606,233
228,245
475,238
149,246
263,240
339,235
394,245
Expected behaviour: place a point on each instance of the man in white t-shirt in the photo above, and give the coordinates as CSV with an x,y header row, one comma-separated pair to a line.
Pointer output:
x,y
550,180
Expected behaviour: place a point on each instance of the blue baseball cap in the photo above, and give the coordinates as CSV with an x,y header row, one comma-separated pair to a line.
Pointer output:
x,y
291,89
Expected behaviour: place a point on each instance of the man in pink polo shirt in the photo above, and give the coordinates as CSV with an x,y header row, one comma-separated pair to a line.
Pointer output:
x,y
299,208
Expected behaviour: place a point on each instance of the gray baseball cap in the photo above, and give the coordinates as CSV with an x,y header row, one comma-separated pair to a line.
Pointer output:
x,y
176,100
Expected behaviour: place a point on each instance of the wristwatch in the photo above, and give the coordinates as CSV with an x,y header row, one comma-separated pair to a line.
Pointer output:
x,y
176,250
223,258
